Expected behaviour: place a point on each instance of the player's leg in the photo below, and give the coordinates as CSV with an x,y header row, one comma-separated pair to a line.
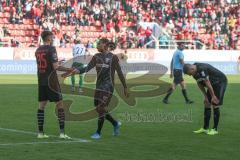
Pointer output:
x,y
61,119
169,92
207,116
184,92
72,83
116,125
42,98
101,114
40,119
177,78
219,92
55,95
80,83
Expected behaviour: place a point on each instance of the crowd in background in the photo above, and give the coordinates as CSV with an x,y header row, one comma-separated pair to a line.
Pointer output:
x,y
216,23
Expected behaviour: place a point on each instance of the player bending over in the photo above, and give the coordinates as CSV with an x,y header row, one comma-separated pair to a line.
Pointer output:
x,y
47,62
212,83
106,64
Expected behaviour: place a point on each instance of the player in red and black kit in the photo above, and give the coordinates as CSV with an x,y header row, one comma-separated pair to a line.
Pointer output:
x,y
215,82
47,64
106,64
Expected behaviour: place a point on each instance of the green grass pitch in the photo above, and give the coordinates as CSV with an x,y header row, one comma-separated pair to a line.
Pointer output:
x,y
169,139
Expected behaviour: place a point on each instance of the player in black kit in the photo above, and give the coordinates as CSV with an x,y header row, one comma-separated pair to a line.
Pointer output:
x,y
106,64
215,82
47,64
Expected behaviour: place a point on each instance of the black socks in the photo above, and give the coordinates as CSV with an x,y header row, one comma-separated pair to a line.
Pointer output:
x,y
110,119
170,91
40,118
61,119
184,92
100,124
216,112
207,116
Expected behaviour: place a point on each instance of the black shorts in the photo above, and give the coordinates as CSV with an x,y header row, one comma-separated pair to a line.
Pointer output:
x,y
47,94
219,90
102,98
178,76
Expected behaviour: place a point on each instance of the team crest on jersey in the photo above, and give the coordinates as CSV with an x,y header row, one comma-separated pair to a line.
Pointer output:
x,y
107,60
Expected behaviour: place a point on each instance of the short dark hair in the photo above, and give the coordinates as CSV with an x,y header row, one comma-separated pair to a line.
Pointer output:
x,y
186,68
104,40
45,34
180,43
77,41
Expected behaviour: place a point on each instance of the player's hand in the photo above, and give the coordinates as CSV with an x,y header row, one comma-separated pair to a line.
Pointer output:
x,y
206,102
214,100
126,93
70,73
171,75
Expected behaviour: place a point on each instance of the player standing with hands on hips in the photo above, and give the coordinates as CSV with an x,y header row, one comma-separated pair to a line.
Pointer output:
x,y
215,82
176,68
47,64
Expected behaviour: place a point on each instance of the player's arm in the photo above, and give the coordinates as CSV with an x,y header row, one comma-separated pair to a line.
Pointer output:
x,y
81,70
120,75
182,61
55,63
58,67
181,58
205,79
202,88
90,65
209,87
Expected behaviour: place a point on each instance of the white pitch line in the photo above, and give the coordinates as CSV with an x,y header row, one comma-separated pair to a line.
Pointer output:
x,y
35,143
34,133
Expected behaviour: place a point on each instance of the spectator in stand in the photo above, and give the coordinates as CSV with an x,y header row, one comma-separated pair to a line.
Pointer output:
x,y
148,33
28,8
89,44
163,41
175,17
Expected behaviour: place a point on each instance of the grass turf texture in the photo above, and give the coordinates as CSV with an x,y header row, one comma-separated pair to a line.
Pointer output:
x,y
168,140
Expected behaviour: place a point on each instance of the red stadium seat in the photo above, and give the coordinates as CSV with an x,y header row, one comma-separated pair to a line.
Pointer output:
x,y
11,26
21,39
27,39
5,20
35,26
1,15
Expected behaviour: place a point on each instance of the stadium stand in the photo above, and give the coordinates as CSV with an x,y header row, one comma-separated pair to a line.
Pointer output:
x,y
216,23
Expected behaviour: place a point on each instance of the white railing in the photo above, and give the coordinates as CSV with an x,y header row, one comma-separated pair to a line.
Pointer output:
x,y
172,44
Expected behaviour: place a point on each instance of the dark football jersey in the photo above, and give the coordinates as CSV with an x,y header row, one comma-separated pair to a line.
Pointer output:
x,y
106,64
207,72
46,55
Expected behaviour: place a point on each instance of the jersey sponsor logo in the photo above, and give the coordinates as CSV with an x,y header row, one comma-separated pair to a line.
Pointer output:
x,y
102,65
203,74
107,60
